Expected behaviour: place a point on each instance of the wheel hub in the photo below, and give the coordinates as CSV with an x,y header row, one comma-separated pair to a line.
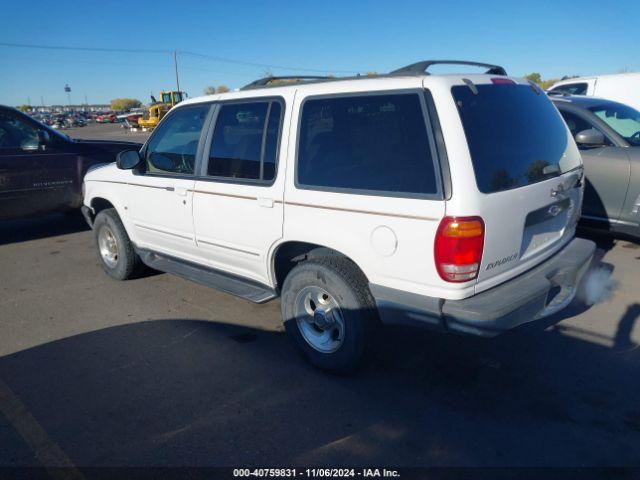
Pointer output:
x,y
323,319
319,319
108,246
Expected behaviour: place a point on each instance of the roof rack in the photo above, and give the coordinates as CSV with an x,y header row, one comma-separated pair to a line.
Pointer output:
x,y
420,68
263,82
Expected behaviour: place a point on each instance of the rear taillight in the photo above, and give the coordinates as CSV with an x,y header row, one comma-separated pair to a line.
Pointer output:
x,y
458,248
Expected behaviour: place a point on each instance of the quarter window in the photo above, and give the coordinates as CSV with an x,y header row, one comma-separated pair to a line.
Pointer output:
x,y
373,143
172,148
245,141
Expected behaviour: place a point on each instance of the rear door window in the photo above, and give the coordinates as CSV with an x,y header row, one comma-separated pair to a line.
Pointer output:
x,y
245,141
515,135
366,143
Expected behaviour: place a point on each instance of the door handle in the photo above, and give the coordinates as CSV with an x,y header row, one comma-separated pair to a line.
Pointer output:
x,y
265,202
182,191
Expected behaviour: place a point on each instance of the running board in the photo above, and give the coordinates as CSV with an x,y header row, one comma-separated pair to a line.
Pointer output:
x,y
209,277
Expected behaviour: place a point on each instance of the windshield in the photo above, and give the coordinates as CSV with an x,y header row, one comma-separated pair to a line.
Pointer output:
x,y
625,121
516,136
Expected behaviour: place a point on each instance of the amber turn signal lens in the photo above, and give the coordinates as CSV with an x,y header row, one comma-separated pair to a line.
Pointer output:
x,y
463,228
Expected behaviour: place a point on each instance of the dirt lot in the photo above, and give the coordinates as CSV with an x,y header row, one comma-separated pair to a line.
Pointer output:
x,y
106,131
159,371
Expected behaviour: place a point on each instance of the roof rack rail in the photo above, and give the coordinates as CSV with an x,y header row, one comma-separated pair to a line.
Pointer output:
x,y
422,67
264,82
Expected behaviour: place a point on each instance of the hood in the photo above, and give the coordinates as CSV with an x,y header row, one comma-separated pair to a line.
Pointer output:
x,y
107,142
112,146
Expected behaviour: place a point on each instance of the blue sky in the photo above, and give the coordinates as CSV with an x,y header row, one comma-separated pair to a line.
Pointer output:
x,y
553,38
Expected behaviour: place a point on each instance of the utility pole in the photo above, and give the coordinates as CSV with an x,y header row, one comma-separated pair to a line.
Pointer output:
x,y
175,63
41,100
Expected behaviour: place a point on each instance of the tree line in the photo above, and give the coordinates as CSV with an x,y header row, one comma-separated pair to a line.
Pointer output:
x,y
535,77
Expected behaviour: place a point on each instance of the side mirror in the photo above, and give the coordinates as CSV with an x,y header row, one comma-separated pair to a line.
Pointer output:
x,y
590,137
128,159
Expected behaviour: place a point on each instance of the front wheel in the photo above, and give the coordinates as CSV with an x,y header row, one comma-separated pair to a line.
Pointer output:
x,y
329,312
115,250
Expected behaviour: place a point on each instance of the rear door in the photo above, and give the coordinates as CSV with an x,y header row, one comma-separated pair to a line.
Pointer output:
x,y
237,200
528,171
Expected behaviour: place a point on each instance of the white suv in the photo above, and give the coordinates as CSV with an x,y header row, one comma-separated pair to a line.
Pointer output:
x,y
447,201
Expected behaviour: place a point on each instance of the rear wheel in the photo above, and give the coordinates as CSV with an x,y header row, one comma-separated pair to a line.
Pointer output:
x,y
329,312
115,250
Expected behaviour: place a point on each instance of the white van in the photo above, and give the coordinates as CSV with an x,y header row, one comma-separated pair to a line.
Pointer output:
x,y
621,87
447,201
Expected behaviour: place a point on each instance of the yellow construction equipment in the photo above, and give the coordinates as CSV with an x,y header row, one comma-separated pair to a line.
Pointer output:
x,y
159,109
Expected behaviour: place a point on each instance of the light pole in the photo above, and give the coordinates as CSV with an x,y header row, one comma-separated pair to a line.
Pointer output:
x,y
67,89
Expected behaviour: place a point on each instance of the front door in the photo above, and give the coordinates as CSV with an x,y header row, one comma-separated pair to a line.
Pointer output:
x,y
606,171
160,198
33,177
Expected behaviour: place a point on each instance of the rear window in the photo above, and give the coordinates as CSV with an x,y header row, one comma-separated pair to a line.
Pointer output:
x,y
366,143
516,136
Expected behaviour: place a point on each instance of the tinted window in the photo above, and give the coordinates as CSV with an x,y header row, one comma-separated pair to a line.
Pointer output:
x,y
575,123
16,133
624,120
245,141
173,146
515,136
377,143
572,88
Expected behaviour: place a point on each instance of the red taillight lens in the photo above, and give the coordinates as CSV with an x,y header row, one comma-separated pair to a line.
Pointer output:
x,y
458,248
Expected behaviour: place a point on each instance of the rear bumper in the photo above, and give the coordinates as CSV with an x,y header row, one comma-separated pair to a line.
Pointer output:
x,y
538,293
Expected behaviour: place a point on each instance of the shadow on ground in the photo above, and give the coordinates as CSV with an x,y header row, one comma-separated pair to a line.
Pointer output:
x,y
188,392
33,228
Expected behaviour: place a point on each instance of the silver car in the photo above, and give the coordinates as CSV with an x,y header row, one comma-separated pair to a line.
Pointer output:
x,y
608,135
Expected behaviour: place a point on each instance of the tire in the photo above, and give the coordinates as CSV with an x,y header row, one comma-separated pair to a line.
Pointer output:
x,y
126,263
338,338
